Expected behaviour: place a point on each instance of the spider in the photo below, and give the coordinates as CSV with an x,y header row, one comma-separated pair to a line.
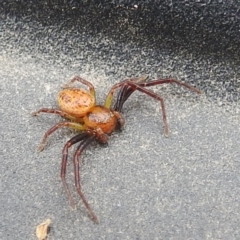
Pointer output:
x,y
96,121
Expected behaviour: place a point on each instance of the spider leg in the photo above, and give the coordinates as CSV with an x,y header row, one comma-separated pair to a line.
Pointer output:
x,y
153,95
162,81
58,112
140,87
76,126
85,82
124,93
128,87
109,97
69,143
79,151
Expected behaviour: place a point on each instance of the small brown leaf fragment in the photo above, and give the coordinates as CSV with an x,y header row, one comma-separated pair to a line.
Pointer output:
x,y
42,230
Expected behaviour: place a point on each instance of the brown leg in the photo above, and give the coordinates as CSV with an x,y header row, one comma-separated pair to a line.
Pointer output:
x,y
162,81
54,111
77,126
126,91
123,94
69,143
80,148
128,87
109,97
153,95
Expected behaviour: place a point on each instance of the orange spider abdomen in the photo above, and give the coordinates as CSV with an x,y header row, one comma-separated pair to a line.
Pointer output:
x,y
75,102
101,117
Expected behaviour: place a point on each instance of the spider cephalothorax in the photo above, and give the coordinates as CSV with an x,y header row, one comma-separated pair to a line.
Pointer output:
x,y
96,121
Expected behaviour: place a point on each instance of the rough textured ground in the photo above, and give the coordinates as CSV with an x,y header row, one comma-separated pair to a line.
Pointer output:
x,y
142,185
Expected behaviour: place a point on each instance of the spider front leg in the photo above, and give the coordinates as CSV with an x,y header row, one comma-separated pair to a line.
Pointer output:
x,y
133,87
73,125
128,87
162,81
125,92
140,87
77,154
109,98
154,95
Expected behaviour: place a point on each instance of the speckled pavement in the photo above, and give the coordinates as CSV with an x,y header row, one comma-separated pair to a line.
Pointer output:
x,y
142,185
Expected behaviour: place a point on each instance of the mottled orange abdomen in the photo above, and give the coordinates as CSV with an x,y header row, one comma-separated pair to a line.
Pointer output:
x,y
75,102
101,117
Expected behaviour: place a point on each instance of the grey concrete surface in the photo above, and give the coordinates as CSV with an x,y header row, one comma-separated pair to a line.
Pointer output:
x,y
143,185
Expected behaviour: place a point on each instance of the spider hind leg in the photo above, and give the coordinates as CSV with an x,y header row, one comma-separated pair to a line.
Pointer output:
x,y
69,143
77,154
